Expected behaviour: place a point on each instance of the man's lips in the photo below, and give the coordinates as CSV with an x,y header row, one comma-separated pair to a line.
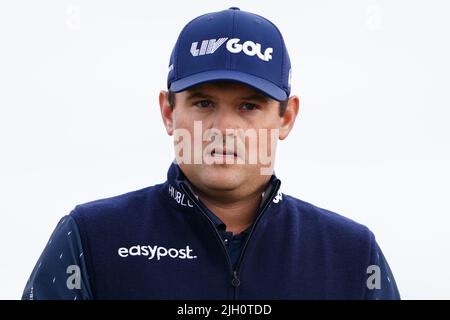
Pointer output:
x,y
223,152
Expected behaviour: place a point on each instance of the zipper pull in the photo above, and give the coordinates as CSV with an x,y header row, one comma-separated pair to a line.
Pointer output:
x,y
235,282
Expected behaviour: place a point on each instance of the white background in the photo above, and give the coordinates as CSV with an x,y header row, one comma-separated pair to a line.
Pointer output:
x,y
79,118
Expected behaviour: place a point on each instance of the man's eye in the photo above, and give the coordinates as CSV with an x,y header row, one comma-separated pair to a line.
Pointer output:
x,y
249,106
203,104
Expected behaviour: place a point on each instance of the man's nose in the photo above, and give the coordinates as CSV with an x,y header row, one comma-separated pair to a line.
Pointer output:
x,y
226,118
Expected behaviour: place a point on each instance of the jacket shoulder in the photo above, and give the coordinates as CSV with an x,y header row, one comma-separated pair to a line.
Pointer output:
x,y
129,203
326,222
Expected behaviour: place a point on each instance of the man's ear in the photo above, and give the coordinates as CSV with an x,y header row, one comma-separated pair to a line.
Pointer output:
x,y
288,119
166,111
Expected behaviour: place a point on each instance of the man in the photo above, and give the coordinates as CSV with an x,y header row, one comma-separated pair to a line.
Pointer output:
x,y
219,227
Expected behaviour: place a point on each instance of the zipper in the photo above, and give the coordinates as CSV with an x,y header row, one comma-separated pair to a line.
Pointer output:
x,y
235,281
241,256
211,223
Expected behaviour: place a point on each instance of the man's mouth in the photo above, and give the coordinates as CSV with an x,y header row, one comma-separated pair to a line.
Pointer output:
x,y
223,152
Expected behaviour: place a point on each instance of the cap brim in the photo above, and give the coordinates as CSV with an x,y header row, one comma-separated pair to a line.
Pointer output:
x,y
265,86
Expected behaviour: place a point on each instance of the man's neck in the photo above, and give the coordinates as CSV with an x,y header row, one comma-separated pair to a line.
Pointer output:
x,y
237,213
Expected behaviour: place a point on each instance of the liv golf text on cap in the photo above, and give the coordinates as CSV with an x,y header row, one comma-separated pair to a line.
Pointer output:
x,y
231,45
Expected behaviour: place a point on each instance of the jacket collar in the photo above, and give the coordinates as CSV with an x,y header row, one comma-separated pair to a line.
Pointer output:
x,y
177,181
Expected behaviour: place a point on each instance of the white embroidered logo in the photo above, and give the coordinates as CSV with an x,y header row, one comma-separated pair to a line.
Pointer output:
x,y
156,252
179,197
278,197
250,48
207,47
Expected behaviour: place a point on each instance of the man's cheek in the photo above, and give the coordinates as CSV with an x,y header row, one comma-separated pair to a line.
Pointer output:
x,y
182,140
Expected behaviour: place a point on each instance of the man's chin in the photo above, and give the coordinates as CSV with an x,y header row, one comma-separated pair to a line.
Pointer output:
x,y
222,176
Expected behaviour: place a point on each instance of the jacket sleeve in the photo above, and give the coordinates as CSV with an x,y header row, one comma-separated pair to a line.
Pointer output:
x,y
380,283
60,273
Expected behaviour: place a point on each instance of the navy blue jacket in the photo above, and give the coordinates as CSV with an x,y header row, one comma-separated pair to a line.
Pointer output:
x,y
161,242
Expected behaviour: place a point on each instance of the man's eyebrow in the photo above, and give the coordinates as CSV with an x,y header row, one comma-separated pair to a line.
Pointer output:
x,y
256,97
252,97
198,95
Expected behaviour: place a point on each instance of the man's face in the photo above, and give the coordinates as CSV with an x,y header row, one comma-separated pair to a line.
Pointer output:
x,y
225,135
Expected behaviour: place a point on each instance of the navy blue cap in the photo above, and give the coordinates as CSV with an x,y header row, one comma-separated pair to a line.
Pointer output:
x,y
231,45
